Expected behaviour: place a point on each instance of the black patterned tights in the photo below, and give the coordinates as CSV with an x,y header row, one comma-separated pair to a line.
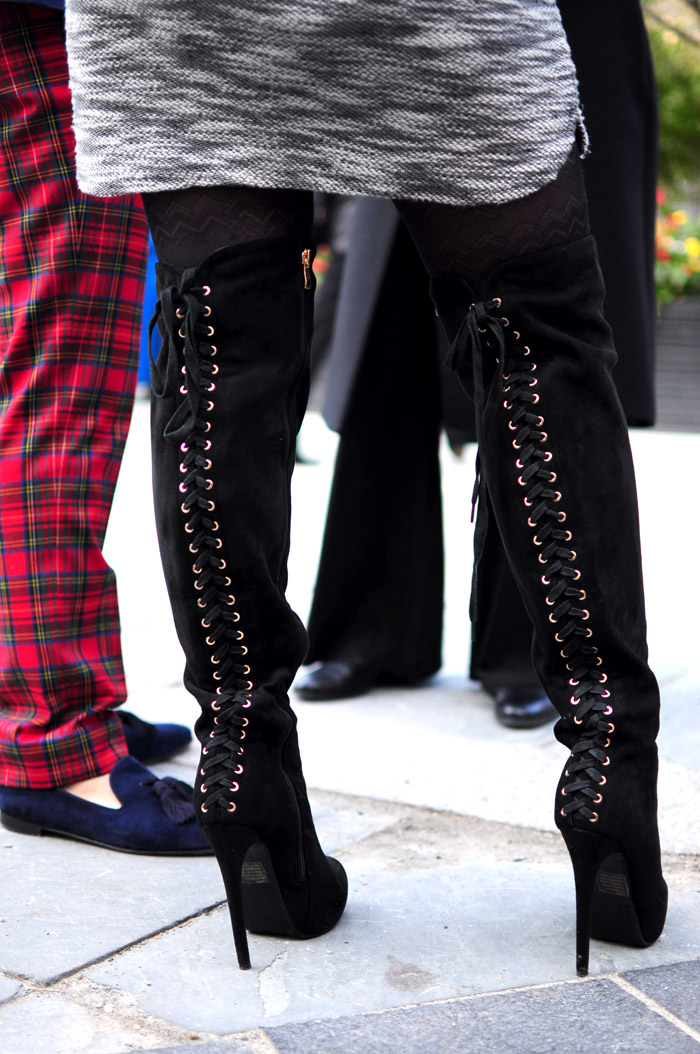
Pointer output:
x,y
188,225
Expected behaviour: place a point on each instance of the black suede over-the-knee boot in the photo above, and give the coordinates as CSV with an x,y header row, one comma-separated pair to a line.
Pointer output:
x,y
530,345
229,391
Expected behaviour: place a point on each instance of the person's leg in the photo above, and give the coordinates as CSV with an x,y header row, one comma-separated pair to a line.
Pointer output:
x,y
519,291
71,293
72,284
229,391
377,606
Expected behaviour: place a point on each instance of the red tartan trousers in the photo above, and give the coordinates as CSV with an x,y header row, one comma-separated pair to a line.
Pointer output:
x,y
71,294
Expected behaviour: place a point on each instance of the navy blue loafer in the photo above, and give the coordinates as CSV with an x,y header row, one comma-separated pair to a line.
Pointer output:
x,y
152,743
156,815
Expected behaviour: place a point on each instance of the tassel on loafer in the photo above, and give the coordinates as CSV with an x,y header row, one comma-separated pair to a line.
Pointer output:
x,y
156,815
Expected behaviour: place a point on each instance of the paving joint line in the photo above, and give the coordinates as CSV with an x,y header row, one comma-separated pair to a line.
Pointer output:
x,y
656,1008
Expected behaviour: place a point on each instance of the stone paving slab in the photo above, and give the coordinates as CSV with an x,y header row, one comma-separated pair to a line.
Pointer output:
x,y
66,904
587,1018
676,988
422,935
46,1024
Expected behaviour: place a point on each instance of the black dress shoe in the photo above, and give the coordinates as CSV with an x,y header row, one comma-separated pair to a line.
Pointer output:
x,y
336,680
523,707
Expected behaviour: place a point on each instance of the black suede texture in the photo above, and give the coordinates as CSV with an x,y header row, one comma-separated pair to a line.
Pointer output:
x,y
553,299
260,295
140,825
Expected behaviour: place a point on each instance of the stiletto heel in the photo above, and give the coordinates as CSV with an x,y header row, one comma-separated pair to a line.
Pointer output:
x,y
532,348
229,390
230,847
588,854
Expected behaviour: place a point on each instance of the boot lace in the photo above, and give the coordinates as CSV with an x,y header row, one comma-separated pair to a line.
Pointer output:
x,y
187,334
535,465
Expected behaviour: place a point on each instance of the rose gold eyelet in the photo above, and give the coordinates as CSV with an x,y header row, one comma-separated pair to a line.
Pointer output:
x,y
507,405
572,682
238,770
606,762
214,370
611,727
210,506
211,642
235,616
207,290
561,516
203,808
563,790
242,734
222,564
201,603
530,522
605,694
249,686
603,678
527,502
180,333
231,807
213,349
557,495
240,634
552,619
210,406
189,529
542,559
598,798
182,487
593,818
552,477
516,445
231,600
578,720
207,442
582,594
562,812
573,700
244,650
606,744
207,311
248,703
545,581
179,312
551,603
548,453
234,787
246,669
213,659
203,788
207,426
194,549
512,427
216,676
535,399
559,640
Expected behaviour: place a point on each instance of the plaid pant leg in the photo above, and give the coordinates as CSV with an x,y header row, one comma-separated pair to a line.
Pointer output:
x,y
71,292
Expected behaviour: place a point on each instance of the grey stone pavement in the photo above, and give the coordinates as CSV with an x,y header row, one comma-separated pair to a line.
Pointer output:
x,y
459,931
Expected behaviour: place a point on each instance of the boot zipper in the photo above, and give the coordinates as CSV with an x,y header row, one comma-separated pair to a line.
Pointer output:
x,y
306,264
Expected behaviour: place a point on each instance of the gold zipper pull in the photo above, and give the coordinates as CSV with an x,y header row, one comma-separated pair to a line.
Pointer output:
x,y
306,264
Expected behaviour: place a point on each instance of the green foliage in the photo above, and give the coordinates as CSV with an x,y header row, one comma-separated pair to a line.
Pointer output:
x,y
677,63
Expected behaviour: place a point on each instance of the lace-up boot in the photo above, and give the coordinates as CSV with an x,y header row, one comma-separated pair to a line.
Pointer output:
x,y
229,391
531,348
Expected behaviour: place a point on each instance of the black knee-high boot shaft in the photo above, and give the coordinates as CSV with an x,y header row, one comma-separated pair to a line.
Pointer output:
x,y
532,348
230,388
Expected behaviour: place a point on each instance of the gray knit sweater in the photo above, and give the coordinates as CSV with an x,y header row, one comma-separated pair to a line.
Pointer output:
x,y
457,101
